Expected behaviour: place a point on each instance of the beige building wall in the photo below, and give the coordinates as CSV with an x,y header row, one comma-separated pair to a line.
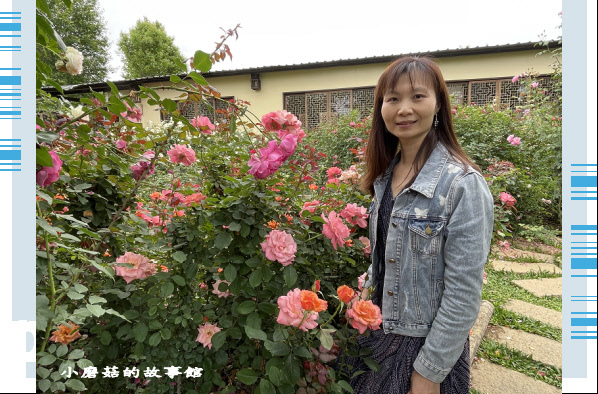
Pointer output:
x,y
275,84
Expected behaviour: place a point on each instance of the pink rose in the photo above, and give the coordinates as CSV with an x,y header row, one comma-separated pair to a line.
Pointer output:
x,y
219,293
355,215
366,242
280,246
182,154
515,78
120,144
507,199
48,175
352,124
516,141
142,268
139,168
204,124
288,146
535,85
132,114
149,155
292,314
268,162
283,123
335,229
205,334
361,279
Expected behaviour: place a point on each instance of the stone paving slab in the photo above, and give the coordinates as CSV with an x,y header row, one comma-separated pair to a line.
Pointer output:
x,y
517,253
502,265
545,350
542,287
490,378
545,315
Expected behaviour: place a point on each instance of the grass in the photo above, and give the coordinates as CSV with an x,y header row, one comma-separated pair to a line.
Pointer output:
x,y
502,317
520,362
474,391
500,289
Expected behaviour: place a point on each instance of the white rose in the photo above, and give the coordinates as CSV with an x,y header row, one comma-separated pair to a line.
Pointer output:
x,y
75,112
74,61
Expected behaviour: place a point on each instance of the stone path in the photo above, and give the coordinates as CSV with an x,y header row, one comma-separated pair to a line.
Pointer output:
x,y
545,315
541,349
517,253
542,287
501,265
490,378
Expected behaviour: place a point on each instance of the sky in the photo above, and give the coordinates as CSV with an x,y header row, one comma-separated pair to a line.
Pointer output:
x,y
280,33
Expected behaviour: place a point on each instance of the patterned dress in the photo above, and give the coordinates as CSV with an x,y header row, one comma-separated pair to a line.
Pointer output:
x,y
396,353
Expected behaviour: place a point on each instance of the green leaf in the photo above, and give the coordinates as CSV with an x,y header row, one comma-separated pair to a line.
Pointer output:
x,y
374,366
44,225
275,375
266,387
290,275
179,256
105,338
44,385
155,339
218,340
74,295
253,262
246,376
95,310
179,280
255,279
326,339
198,78
201,61
268,308
76,354
175,78
166,289
84,363
96,300
62,350
246,307
230,273
277,348
254,333
140,332
43,372
165,333
43,158
345,385
169,105
234,226
223,239
46,360
75,384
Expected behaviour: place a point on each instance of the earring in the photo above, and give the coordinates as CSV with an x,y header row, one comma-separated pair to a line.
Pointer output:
x,y
435,120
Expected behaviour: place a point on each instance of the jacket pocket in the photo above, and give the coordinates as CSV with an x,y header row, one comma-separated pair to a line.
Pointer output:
x,y
425,236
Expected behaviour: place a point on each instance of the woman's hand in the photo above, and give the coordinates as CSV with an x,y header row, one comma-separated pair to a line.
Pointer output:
x,y
421,385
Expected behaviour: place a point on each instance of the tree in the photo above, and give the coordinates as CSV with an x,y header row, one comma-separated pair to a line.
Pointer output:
x,y
148,51
82,27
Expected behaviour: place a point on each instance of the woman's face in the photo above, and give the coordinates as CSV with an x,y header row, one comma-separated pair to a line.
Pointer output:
x,y
408,111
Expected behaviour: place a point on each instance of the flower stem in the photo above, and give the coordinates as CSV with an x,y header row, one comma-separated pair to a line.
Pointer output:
x,y
338,309
51,279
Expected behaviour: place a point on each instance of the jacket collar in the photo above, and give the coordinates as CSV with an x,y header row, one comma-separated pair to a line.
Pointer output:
x,y
428,177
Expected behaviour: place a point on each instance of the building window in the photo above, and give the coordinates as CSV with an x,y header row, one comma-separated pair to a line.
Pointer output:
x,y
316,108
501,92
192,109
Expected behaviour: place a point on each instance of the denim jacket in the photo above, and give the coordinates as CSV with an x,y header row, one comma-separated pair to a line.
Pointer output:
x,y
438,242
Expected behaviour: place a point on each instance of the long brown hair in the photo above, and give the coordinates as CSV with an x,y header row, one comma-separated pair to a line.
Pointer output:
x,y
382,145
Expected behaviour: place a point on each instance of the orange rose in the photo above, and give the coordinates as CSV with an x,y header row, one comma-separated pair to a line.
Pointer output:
x,y
66,333
311,302
345,293
364,315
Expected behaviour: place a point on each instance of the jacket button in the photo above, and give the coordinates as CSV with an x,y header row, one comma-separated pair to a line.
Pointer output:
x,y
390,293
394,224
391,260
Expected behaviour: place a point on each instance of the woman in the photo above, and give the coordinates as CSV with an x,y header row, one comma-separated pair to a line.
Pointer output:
x,y
430,230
